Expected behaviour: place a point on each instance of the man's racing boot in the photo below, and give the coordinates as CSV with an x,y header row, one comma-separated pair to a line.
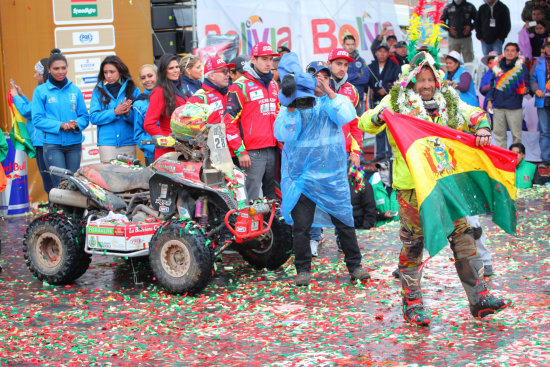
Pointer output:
x,y
359,273
303,279
413,308
482,303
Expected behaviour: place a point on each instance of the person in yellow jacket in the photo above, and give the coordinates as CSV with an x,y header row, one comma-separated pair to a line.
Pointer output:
x,y
422,92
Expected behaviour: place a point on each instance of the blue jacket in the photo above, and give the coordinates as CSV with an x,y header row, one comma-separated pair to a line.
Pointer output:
x,y
190,86
485,80
24,107
358,74
112,130
140,106
539,77
52,107
508,99
470,95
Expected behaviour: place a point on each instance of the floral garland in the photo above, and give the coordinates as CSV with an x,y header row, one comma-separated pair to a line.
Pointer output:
x,y
408,102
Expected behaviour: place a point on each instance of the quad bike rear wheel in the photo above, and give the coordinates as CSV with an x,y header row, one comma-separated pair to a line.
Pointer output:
x,y
54,249
270,250
180,257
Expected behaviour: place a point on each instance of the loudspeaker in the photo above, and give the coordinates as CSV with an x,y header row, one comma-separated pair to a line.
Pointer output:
x,y
185,41
162,17
168,41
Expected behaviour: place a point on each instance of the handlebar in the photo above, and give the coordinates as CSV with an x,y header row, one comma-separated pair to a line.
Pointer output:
x,y
160,141
128,159
58,171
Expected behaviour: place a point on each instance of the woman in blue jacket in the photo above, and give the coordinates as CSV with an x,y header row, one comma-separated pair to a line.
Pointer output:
x,y
111,109
191,75
148,78
461,78
23,105
59,112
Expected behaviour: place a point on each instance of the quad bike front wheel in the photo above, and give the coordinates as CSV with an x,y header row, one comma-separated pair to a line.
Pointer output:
x,y
54,249
272,249
180,258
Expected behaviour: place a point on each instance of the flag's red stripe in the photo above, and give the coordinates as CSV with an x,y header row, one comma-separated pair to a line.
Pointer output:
x,y
406,130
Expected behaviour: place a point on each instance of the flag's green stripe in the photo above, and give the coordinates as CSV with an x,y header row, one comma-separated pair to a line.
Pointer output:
x,y
454,197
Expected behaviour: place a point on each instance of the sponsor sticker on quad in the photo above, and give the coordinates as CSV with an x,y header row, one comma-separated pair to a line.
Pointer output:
x,y
120,237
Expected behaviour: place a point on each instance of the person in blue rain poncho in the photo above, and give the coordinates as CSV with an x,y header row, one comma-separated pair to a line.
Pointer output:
x,y
314,162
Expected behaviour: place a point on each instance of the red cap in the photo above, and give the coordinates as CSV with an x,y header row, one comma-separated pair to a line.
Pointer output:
x,y
214,63
339,53
263,49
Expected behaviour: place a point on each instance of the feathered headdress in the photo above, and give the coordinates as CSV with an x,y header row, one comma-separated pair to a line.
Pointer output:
x,y
426,26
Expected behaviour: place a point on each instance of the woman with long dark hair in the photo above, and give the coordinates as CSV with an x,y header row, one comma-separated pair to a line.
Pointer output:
x,y
111,109
165,98
59,111
24,106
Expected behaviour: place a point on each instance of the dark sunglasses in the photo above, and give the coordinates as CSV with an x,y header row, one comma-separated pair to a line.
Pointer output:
x,y
223,71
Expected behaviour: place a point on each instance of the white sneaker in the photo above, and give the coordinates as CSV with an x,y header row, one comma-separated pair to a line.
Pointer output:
x,y
314,248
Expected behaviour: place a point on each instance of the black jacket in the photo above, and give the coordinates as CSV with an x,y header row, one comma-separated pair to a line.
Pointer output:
x,y
459,16
364,207
501,14
385,80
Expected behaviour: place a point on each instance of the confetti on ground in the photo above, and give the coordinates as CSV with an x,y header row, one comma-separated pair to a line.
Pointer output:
x,y
249,317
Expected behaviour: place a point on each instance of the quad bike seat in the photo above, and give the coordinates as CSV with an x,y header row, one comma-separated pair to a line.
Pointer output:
x,y
117,179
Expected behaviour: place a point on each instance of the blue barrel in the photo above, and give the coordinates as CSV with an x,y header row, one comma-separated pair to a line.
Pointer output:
x,y
14,200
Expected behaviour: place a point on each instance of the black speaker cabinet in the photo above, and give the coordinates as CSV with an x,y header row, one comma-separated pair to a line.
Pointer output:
x,y
162,17
168,41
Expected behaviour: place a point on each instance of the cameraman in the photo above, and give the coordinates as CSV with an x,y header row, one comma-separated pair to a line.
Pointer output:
x,y
314,179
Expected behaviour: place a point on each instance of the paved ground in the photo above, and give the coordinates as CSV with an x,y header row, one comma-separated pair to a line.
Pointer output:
x,y
247,318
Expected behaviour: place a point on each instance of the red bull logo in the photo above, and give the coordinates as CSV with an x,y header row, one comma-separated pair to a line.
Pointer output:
x,y
14,200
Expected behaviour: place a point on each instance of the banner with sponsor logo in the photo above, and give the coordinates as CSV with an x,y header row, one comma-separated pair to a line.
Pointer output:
x,y
311,28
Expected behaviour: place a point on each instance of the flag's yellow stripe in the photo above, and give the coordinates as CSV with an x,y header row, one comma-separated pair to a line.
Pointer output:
x,y
421,153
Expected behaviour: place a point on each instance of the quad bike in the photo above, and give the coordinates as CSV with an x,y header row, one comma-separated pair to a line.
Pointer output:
x,y
182,211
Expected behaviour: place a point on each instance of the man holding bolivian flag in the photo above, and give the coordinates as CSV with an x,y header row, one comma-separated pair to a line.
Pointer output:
x,y
441,176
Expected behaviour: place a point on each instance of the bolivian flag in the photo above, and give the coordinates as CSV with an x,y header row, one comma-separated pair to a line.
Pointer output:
x,y
19,135
454,178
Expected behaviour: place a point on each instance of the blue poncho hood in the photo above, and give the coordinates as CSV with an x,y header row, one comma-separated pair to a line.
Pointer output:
x,y
305,83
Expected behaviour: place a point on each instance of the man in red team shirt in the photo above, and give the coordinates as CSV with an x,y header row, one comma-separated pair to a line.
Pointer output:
x,y
214,88
338,62
251,108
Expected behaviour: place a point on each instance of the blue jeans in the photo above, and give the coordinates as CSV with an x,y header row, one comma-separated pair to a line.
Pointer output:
x,y
315,233
67,157
488,47
43,169
544,140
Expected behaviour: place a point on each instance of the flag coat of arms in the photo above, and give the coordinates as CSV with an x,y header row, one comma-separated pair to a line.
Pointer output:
x,y
453,178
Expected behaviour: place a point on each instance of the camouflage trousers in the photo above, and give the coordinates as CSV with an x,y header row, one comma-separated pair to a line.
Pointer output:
x,y
462,239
